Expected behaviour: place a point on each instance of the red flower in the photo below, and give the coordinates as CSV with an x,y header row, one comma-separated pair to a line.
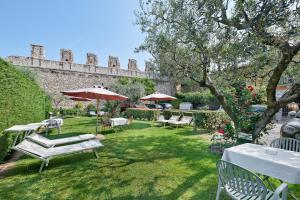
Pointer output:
x,y
250,88
254,94
221,131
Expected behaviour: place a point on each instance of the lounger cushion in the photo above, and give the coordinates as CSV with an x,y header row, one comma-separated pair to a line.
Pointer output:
x,y
50,143
174,118
185,120
42,152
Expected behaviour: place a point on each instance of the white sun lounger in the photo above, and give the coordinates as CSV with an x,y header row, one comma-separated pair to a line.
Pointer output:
x,y
45,154
39,139
185,120
172,119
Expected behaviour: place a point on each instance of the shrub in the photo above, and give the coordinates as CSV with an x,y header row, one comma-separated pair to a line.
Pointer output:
x,y
6,140
70,111
79,105
176,103
112,108
211,120
90,107
198,98
150,114
21,101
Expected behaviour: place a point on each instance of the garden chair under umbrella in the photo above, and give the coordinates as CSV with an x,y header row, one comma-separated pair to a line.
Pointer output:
x,y
97,93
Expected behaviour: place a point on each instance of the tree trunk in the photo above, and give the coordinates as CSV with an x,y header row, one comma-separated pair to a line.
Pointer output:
x,y
263,121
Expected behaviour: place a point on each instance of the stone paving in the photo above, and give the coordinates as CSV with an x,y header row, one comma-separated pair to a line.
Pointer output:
x,y
274,132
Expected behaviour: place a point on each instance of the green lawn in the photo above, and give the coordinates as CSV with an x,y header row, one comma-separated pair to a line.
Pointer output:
x,y
142,162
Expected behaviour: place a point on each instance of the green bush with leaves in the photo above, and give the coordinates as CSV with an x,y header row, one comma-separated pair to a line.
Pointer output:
x,y
112,108
70,111
21,101
211,120
90,107
176,103
198,98
149,114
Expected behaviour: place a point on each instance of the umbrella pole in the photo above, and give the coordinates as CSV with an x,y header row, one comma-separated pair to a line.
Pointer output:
x,y
97,109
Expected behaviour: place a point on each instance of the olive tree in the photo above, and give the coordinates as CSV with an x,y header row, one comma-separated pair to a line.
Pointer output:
x,y
217,43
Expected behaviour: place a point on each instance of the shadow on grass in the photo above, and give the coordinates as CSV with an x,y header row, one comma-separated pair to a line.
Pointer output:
x,y
155,163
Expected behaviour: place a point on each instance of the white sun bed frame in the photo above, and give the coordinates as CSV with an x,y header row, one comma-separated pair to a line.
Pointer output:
x,y
45,154
184,121
39,139
172,119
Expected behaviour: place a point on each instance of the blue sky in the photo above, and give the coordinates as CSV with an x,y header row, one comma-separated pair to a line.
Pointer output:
x,y
103,27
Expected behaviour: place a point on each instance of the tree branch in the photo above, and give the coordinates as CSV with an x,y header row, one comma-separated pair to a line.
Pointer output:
x,y
289,96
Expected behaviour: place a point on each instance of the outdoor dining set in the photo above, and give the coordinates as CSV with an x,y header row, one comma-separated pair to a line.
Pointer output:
x,y
244,170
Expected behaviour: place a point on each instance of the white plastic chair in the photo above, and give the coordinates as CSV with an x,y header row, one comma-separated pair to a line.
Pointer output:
x,y
289,144
241,184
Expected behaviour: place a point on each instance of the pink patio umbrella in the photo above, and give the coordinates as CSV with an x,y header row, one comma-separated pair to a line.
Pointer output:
x,y
157,97
95,93
80,99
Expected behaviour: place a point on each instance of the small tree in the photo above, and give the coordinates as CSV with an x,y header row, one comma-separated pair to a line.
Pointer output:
x,y
220,44
57,99
133,90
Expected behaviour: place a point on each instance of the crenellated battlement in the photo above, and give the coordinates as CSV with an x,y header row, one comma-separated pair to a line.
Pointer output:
x,y
38,60
55,76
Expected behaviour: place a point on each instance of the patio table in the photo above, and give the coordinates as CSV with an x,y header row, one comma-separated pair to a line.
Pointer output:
x,y
118,121
277,163
59,121
26,129
270,162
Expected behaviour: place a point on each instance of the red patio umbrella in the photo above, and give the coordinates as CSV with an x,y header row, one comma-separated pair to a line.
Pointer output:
x,y
95,93
157,97
80,99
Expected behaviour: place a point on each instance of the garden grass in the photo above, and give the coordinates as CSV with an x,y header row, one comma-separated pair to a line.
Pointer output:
x,y
140,162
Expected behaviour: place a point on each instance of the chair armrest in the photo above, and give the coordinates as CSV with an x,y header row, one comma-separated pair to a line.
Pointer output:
x,y
282,189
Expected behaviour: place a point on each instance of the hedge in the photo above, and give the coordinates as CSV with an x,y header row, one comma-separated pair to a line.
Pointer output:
x,y
198,98
21,101
69,112
211,120
149,114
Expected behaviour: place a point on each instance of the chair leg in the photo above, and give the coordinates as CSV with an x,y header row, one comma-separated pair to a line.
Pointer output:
x,y
47,163
41,167
219,190
95,152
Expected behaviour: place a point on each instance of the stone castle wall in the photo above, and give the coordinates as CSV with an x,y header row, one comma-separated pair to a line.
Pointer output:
x,y
66,66
56,76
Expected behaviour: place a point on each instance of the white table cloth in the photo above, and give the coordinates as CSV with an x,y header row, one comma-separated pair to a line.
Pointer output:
x,y
276,163
118,121
59,121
